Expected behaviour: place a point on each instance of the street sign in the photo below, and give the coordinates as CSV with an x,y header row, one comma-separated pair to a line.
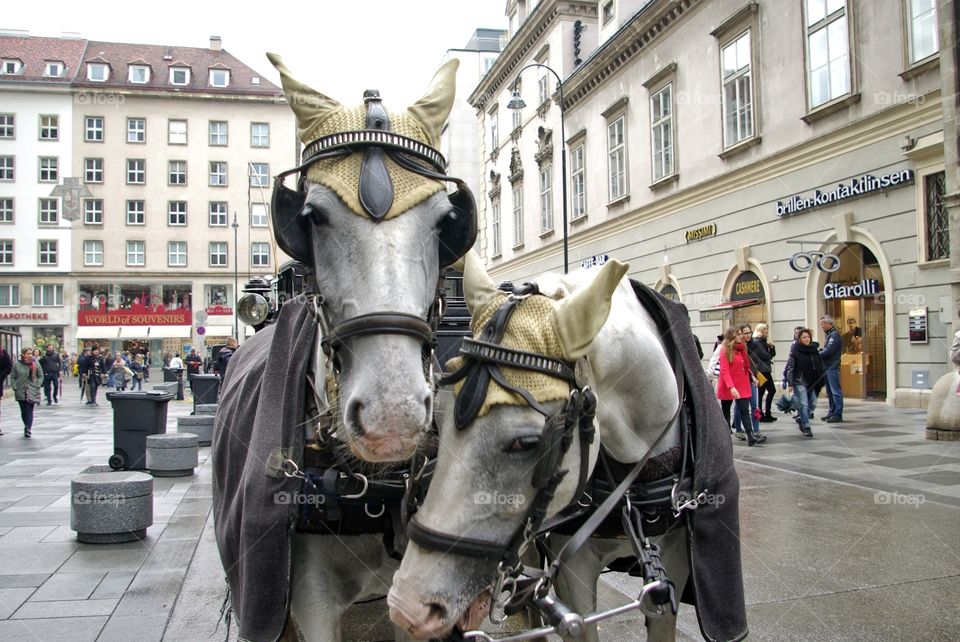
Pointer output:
x,y
201,330
594,261
200,316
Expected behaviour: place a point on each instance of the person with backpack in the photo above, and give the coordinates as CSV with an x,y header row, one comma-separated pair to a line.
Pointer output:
x,y
224,356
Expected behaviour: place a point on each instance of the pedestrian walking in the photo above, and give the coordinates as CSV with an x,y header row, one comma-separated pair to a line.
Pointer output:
x,y
805,374
733,386
137,367
96,375
762,351
224,356
746,332
25,380
52,366
830,354
6,366
65,364
119,373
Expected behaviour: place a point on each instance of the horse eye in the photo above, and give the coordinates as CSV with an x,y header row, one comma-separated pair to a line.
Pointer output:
x,y
523,444
315,214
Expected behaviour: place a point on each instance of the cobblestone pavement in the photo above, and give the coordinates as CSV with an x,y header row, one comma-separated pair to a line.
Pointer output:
x,y
849,536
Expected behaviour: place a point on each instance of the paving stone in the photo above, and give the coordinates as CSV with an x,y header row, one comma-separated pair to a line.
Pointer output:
x,y
26,535
940,477
80,629
113,585
23,581
142,628
914,461
32,559
170,555
64,609
67,586
105,559
151,593
11,599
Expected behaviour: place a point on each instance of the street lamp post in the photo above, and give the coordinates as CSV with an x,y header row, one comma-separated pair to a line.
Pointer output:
x,y
516,102
236,323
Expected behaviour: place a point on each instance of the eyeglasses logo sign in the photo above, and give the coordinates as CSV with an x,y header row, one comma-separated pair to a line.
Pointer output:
x,y
823,261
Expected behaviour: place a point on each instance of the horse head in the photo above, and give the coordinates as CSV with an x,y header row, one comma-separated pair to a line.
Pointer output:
x,y
371,217
502,467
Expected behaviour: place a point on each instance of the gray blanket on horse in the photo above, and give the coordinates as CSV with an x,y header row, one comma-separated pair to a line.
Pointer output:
x,y
713,531
259,420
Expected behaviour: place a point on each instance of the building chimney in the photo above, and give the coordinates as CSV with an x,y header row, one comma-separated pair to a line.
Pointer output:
x,y
215,43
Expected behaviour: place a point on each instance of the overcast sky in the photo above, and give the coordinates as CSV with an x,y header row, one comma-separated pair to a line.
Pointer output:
x,y
339,47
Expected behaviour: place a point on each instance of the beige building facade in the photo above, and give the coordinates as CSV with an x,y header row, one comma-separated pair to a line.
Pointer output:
x,y
760,161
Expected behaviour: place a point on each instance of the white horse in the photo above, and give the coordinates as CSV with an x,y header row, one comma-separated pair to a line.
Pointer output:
x,y
482,487
371,218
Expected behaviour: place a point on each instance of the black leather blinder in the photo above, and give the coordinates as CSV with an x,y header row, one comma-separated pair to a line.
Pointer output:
x,y
457,231
292,230
556,440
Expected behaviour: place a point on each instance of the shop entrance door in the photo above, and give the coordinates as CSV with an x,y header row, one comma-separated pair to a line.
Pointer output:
x,y
858,313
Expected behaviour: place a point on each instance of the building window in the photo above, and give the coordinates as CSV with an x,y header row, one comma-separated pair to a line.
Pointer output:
x,y
661,125
93,211
6,168
828,50
218,214
93,129
48,253
737,90
518,215
607,11
495,226
177,254
49,169
48,295
258,215
546,199
219,78
49,211
179,76
259,173
578,183
937,227
260,254
136,130
543,85
218,174
259,134
9,295
49,127
178,172
6,252
6,210
136,253
93,170
53,69
494,134
138,74
92,253
136,171
7,128
97,72
135,213
924,40
177,132
177,213
218,254
218,133
616,159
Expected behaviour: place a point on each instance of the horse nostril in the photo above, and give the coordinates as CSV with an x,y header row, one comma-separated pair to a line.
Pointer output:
x,y
428,406
354,408
438,612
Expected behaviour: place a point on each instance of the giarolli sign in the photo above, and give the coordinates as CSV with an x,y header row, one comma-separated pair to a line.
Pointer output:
x,y
867,287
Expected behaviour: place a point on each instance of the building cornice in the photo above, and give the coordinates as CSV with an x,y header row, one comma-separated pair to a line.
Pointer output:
x,y
634,37
523,45
891,123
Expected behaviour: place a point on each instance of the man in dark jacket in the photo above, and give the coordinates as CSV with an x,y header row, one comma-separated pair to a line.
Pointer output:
x,y
830,355
193,363
52,364
96,368
223,357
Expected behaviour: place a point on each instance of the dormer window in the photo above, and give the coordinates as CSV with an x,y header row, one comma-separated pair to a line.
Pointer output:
x,y
53,69
97,72
139,74
179,75
11,66
219,77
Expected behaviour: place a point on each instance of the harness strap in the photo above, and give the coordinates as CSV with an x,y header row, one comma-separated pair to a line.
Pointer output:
x,y
382,323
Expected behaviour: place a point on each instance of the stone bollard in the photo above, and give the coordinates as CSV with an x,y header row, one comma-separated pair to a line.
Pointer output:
x,y
199,425
109,507
172,455
943,410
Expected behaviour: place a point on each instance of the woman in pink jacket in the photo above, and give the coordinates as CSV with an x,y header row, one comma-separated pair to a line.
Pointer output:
x,y
733,385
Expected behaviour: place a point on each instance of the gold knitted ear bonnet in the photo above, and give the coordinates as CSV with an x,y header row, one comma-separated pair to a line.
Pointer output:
x,y
318,116
532,329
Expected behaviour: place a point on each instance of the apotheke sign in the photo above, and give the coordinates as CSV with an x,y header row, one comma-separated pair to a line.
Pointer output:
x,y
866,184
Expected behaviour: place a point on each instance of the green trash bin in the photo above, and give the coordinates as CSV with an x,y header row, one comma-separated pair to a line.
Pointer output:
x,y
136,415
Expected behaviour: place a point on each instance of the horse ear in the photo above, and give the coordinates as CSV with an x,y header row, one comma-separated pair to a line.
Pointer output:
x,y
433,109
580,316
309,105
478,288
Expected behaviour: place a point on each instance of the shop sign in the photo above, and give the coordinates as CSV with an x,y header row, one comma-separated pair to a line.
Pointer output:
x,y
219,310
594,261
867,287
714,315
866,184
24,316
805,261
710,229
136,315
747,286
918,325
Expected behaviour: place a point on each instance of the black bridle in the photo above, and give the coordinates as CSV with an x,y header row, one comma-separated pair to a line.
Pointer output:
x,y
484,358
